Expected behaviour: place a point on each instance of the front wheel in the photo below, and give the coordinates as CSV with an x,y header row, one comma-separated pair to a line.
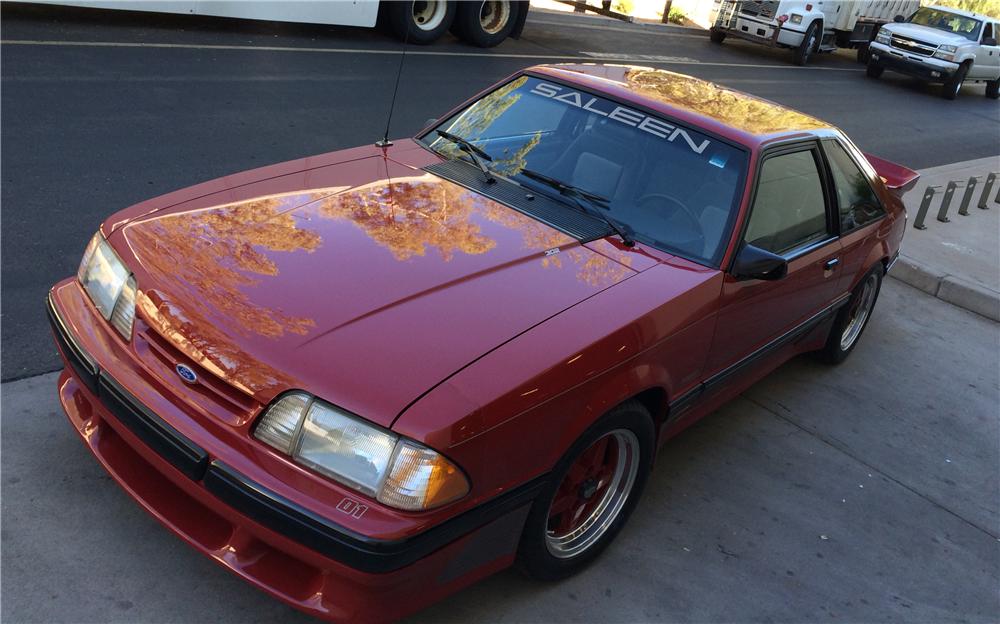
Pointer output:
x,y
593,491
954,84
873,70
716,36
853,318
809,44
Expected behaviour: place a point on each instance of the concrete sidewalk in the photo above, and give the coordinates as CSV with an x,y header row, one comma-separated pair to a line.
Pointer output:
x,y
957,261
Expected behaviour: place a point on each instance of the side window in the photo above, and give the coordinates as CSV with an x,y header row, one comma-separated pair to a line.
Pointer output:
x,y
987,30
789,210
857,201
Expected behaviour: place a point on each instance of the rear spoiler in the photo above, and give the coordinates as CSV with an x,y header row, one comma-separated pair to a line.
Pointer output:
x,y
897,178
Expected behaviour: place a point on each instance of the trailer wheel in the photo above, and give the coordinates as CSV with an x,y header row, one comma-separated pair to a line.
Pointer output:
x,y
810,41
716,35
485,24
420,22
993,89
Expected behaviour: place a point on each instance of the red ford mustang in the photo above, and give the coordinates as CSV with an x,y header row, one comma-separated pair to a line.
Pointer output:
x,y
366,379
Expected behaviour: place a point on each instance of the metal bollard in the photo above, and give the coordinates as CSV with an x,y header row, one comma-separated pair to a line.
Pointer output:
x,y
985,197
970,187
949,190
925,203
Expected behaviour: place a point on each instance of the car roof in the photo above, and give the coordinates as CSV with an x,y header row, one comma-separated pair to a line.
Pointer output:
x,y
948,9
732,114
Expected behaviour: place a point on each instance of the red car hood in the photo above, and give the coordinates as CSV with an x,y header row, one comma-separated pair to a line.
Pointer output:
x,y
367,289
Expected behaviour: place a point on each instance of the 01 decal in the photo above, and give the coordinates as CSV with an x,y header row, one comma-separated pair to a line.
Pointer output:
x,y
627,116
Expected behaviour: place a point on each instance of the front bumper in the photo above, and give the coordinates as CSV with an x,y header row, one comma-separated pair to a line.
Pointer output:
x,y
769,33
278,545
923,67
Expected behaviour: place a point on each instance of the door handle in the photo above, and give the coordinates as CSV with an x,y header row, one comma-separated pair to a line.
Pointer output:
x,y
831,264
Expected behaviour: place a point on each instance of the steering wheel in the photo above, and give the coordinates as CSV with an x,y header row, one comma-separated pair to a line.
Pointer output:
x,y
693,225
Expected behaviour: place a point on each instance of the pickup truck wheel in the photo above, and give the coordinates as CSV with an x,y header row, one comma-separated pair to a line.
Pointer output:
x,y
590,495
954,84
808,45
716,36
993,89
420,22
873,70
852,319
485,24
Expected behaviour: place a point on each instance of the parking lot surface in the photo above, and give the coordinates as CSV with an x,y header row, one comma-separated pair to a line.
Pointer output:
x,y
866,492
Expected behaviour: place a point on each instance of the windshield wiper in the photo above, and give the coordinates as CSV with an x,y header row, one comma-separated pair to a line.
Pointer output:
x,y
590,203
477,154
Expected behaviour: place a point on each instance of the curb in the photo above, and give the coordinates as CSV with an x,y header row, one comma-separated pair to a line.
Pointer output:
x,y
956,291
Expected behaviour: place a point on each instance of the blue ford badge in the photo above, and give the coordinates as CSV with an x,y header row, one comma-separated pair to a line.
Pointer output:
x,y
186,373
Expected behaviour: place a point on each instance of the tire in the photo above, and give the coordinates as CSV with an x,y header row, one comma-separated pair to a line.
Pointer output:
x,y
993,89
873,70
716,36
863,54
852,319
810,42
954,84
555,544
420,22
485,23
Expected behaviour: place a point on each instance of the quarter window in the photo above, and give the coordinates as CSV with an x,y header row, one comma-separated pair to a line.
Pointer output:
x,y
857,201
789,210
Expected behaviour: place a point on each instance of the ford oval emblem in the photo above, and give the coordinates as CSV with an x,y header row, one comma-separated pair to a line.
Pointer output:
x,y
186,373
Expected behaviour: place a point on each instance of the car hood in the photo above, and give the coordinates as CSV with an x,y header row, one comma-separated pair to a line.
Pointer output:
x,y
926,33
367,285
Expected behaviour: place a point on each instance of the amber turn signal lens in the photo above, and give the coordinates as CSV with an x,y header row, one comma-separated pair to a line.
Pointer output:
x,y
422,479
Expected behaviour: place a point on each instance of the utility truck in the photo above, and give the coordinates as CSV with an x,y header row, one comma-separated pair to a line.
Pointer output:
x,y
807,27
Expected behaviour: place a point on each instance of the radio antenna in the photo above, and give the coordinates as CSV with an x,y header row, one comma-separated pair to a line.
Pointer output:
x,y
384,141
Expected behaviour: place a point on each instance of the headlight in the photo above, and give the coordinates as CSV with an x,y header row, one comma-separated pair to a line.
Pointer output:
x,y
397,472
884,37
795,18
946,52
109,284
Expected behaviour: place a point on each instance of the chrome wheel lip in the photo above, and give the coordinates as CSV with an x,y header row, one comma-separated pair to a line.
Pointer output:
x,y
431,13
614,498
861,313
494,21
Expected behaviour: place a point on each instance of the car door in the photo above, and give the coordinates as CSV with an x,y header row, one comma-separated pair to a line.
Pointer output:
x,y
987,65
791,215
858,211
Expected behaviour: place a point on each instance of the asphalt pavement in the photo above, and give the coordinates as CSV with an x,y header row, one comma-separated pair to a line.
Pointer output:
x,y
867,492
95,119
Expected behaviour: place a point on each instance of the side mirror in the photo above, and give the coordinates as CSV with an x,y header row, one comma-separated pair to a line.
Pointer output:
x,y
899,19
760,264
430,122
990,41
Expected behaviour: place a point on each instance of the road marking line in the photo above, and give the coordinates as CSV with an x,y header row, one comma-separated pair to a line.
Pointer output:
x,y
546,57
644,57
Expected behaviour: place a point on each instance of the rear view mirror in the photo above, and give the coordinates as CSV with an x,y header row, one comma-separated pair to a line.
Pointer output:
x,y
990,41
756,263
899,19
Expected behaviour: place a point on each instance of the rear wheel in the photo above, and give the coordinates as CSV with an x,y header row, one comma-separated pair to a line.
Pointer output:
x,y
874,70
420,22
809,44
485,24
993,89
852,319
954,84
594,489
716,36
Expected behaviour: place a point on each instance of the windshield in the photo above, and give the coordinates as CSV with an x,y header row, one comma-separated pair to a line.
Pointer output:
x,y
666,185
948,22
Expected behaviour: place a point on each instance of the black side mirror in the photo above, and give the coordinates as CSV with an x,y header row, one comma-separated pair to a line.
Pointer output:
x,y
899,19
990,41
430,122
756,263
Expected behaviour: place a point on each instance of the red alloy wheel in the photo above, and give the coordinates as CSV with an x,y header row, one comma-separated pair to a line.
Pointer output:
x,y
592,493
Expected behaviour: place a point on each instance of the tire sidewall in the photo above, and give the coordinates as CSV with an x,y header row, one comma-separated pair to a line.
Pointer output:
x,y
534,557
833,351
399,17
468,28
805,48
954,86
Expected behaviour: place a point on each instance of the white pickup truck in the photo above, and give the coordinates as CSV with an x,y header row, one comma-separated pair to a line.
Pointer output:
x,y
940,44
